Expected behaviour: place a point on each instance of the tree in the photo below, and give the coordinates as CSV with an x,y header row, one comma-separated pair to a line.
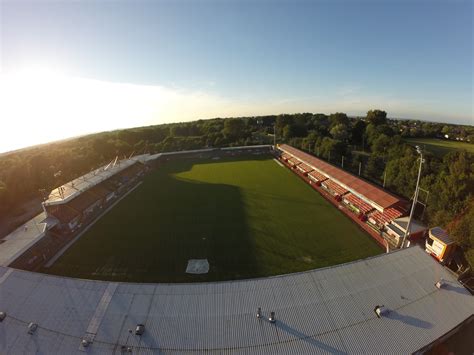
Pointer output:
x,y
376,117
340,132
372,132
104,147
338,118
380,144
446,129
288,132
454,183
462,229
332,148
309,141
280,123
384,129
357,132
375,167
234,128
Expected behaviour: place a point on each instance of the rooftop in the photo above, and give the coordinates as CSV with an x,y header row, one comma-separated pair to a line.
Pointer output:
x,y
324,310
363,189
22,238
415,226
440,234
72,189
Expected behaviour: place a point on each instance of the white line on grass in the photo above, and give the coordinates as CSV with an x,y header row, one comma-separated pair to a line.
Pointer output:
x,y
278,162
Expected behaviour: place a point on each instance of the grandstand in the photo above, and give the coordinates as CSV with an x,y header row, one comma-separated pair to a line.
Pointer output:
x,y
72,204
305,169
316,176
378,206
334,188
359,205
68,211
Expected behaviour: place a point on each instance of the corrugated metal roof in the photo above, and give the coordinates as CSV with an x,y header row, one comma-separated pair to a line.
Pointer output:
x,y
22,238
363,189
319,311
415,226
440,234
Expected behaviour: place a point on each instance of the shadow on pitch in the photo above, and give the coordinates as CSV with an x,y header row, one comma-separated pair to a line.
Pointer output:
x,y
153,232
196,220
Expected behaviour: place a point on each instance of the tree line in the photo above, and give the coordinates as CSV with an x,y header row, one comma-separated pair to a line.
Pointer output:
x,y
371,146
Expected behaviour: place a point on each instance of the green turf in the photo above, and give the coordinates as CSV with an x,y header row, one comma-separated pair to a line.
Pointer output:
x,y
249,218
440,147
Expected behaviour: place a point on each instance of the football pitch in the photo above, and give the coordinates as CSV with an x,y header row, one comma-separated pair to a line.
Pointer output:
x,y
249,217
441,147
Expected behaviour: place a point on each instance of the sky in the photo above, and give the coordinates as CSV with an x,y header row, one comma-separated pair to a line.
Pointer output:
x,y
69,68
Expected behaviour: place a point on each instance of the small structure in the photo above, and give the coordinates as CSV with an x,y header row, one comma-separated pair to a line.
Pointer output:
x,y
32,328
272,319
438,244
395,231
140,329
197,266
381,311
440,284
85,342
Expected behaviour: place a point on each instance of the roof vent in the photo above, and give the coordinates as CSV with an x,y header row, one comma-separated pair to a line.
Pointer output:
x,y
272,317
3,315
259,312
32,328
440,284
381,311
140,329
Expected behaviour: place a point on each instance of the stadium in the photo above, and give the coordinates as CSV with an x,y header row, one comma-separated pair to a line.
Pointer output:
x,y
256,249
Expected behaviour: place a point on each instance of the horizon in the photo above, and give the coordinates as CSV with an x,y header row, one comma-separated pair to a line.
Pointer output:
x,y
71,69
204,119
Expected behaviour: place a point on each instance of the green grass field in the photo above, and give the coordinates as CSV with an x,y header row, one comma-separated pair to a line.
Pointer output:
x,y
440,147
249,217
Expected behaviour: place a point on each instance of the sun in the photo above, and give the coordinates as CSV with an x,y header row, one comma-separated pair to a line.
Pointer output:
x,y
29,97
